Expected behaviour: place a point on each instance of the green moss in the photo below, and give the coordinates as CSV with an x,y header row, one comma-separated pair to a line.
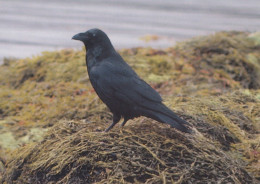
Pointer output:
x,y
255,37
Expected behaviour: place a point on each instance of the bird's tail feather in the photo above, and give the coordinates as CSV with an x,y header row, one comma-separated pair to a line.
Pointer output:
x,y
173,122
163,114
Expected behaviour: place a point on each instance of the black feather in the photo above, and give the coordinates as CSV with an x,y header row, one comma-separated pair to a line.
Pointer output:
x,y
119,87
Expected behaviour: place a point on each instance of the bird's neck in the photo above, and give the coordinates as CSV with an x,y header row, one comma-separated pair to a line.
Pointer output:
x,y
98,53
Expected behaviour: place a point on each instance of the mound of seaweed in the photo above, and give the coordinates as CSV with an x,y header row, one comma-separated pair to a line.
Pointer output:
x,y
51,120
141,153
225,55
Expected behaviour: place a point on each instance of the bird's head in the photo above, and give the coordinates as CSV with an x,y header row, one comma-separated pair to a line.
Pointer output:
x,y
93,38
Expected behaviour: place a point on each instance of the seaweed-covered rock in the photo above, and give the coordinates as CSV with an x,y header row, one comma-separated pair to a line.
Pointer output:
x,y
226,57
75,152
212,82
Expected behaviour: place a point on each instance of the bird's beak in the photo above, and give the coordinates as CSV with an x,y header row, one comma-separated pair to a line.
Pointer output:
x,y
78,36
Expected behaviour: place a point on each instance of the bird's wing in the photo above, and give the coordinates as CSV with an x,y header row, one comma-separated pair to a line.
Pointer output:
x,y
122,83
116,85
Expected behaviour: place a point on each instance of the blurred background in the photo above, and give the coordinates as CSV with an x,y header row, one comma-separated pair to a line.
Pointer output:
x,y
31,26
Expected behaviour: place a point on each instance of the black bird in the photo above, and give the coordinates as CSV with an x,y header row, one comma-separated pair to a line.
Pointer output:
x,y
119,87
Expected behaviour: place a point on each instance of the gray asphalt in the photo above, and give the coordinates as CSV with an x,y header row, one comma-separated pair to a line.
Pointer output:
x,y
31,26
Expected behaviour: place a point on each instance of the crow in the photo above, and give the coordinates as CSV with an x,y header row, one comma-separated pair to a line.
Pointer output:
x,y
119,87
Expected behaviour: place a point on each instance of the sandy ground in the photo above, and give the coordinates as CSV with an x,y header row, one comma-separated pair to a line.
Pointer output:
x,y
32,26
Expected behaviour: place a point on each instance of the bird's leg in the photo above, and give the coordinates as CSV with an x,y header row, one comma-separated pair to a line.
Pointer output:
x,y
116,118
124,122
